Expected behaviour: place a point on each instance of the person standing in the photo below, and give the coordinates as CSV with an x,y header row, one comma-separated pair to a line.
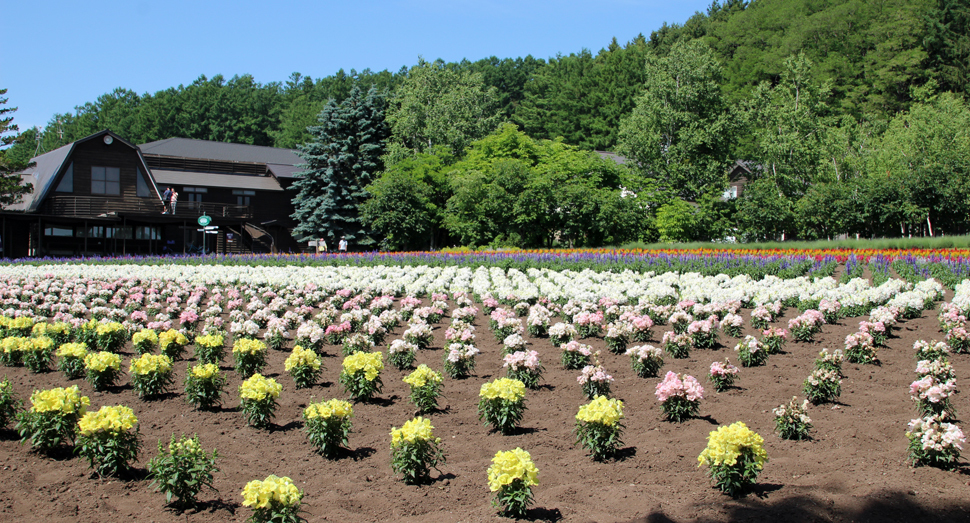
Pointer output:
x,y
174,200
342,246
166,200
321,246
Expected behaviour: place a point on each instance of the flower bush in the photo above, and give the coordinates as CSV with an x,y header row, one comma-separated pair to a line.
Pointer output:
x,y
425,388
144,341
151,375
561,333
595,381
11,350
513,343
860,348
677,345
210,348
574,355
102,369
304,366
958,339
172,343
109,439
460,360
617,337
415,450
598,427
511,476
401,354
934,442
273,499
357,342
774,339
52,417
37,353
525,367
703,333
831,361
204,386
732,325
641,327
723,374
110,336
933,350
735,455
501,404
646,360
70,360
805,326
361,374
258,400
823,386
932,396
419,334
327,425
751,352
680,396
182,470
9,404
249,356
792,421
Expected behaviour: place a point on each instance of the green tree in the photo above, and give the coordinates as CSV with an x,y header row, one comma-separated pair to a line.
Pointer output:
x,y
436,105
11,188
764,212
927,151
947,44
343,158
680,131
789,126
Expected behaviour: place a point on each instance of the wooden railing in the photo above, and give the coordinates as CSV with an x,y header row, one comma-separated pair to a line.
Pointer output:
x,y
98,206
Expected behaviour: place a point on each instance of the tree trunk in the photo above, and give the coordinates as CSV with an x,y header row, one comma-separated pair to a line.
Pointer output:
x,y
929,225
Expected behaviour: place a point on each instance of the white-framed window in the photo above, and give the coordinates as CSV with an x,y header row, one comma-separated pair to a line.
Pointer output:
x,y
243,196
194,193
731,193
105,180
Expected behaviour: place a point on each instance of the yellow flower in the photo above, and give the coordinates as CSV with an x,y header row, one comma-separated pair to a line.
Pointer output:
x,y
726,444
259,388
47,329
248,346
40,343
510,466
370,363
301,357
102,361
417,429
205,371
505,388
72,350
601,410
329,409
109,419
262,494
108,328
422,376
145,337
13,344
210,341
65,400
171,336
151,364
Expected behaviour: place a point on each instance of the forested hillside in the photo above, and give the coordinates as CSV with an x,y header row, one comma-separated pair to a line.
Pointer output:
x,y
852,115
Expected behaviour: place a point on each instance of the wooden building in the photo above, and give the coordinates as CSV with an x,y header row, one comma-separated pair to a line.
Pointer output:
x,y
102,196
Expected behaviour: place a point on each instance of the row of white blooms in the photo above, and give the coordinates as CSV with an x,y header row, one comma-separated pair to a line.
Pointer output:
x,y
588,286
961,296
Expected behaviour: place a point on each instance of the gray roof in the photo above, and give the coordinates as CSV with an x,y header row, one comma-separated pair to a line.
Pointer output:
x,y
235,181
284,171
41,175
621,160
222,151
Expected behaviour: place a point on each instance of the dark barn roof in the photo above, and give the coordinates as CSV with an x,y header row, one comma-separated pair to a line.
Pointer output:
x,y
221,151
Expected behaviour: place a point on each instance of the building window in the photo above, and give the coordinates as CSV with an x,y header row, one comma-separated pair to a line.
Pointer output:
x,y
243,197
194,193
141,186
93,231
59,231
730,193
147,233
118,233
105,180
67,181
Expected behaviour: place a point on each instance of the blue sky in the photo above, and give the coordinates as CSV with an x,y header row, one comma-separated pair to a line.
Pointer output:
x,y
61,54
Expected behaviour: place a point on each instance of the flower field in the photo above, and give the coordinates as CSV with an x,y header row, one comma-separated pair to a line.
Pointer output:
x,y
471,327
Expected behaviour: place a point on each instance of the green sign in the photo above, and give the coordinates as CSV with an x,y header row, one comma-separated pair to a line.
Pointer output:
x,y
204,220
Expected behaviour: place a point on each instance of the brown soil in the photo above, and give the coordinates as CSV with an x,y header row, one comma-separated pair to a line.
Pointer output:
x,y
854,469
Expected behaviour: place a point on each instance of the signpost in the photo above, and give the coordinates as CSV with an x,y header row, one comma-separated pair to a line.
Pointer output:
x,y
204,221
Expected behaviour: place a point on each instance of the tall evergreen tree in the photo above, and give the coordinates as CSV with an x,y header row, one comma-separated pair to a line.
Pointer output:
x,y
10,186
344,156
